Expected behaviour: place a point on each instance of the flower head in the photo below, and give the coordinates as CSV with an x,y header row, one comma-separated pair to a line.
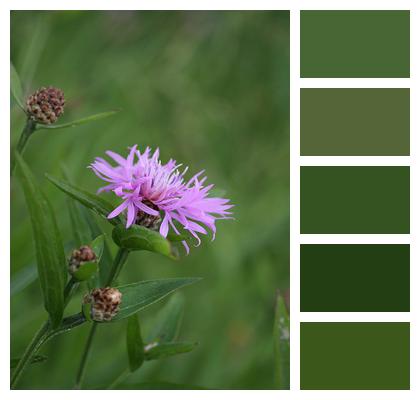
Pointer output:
x,y
79,257
156,194
104,302
45,105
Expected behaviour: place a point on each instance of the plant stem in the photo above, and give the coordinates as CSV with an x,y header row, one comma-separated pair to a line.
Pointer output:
x,y
27,131
85,356
120,378
39,339
117,265
30,351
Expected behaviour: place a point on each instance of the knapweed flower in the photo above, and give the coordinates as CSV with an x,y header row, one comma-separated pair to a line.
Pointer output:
x,y
158,196
45,105
104,303
79,257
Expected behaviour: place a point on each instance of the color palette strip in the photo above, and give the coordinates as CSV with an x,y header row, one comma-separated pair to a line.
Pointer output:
x,y
355,200
355,355
355,44
355,122
355,277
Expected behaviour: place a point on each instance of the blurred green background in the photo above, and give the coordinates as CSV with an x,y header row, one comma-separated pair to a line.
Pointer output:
x,y
211,89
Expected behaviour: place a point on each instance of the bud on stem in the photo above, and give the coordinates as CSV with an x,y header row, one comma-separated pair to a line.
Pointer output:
x,y
45,105
102,304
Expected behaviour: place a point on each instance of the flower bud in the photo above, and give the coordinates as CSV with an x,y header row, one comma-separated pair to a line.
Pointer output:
x,y
104,303
45,105
79,257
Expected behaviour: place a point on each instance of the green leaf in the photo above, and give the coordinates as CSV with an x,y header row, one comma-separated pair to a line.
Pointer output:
x,y
137,296
67,325
89,200
164,350
138,237
135,346
16,86
35,359
78,122
51,261
85,271
79,225
97,245
105,263
282,345
23,278
168,323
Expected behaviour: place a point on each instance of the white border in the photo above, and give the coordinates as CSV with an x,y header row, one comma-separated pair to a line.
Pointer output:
x,y
296,160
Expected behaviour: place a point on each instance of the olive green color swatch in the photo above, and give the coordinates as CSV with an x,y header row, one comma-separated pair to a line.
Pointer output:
x,y
355,355
355,199
355,44
355,278
355,122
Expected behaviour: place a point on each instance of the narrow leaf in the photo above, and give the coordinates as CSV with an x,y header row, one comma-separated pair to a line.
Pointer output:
x,y
135,346
67,325
164,350
35,359
23,278
78,122
168,323
79,225
16,86
51,262
282,345
137,296
138,237
105,263
97,245
89,200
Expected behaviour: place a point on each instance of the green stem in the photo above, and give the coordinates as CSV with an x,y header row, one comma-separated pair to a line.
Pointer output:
x,y
85,356
28,129
30,351
120,378
71,286
39,339
117,265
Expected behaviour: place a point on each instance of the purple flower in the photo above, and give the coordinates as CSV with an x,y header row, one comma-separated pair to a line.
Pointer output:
x,y
153,193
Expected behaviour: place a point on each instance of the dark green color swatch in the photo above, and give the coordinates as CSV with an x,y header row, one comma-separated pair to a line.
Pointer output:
x,y
355,355
355,278
355,44
355,122
355,200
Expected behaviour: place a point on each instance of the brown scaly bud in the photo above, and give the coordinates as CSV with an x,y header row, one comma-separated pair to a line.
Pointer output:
x,y
45,105
147,220
104,303
80,256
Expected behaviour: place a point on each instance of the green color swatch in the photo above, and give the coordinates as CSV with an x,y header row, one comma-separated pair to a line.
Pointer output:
x,y
355,122
355,200
355,44
354,355
355,278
